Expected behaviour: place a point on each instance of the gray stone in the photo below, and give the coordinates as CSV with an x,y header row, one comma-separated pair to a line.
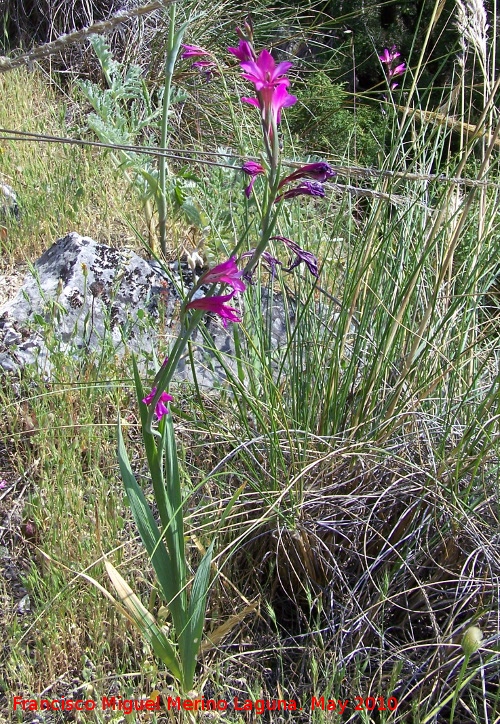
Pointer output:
x,y
83,295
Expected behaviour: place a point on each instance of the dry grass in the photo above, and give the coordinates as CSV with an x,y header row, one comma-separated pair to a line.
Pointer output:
x,y
59,188
373,567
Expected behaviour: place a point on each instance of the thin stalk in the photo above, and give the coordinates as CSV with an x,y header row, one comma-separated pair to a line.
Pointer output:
x,y
164,375
173,45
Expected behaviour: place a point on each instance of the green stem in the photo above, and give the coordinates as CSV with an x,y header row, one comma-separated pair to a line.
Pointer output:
x,y
164,375
173,45
268,217
456,693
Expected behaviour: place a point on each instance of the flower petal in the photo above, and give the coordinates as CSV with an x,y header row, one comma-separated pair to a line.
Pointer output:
x,y
192,51
244,51
225,273
320,171
264,71
161,407
217,305
306,188
302,255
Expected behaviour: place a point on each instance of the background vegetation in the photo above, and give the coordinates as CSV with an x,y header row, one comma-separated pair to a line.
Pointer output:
x,y
364,544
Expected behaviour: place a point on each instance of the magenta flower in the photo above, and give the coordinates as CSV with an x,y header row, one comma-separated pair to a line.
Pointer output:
x,y
193,51
306,188
320,171
217,305
204,65
208,67
161,407
270,83
225,273
281,99
301,256
389,56
274,99
264,73
398,70
244,51
253,169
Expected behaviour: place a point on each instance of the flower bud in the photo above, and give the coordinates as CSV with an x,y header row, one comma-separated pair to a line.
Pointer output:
x,y
471,640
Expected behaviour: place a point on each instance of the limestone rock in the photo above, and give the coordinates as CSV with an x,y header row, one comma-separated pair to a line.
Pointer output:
x,y
83,295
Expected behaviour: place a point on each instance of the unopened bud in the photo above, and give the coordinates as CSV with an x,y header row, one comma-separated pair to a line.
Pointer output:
x,y
194,260
249,28
471,640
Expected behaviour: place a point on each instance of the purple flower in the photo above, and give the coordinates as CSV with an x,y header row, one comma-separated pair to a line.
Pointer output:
x,y
389,57
225,273
301,256
244,51
320,171
268,258
253,169
281,98
204,65
193,51
217,305
272,100
306,188
161,407
398,70
208,67
270,83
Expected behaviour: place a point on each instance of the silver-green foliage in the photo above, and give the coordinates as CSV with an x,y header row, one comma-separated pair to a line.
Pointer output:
x,y
128,113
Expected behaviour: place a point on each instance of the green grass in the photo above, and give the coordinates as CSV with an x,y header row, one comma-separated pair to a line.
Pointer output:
x,y
364,542
59,187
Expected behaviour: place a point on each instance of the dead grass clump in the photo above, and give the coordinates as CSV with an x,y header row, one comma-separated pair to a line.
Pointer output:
x,y
390,566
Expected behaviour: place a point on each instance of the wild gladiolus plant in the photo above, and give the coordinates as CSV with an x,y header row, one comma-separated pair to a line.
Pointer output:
x,y
164,539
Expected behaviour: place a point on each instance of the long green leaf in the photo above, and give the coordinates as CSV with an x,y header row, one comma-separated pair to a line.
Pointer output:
x,y
149,443
173,484
152,539
167,492
189,645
